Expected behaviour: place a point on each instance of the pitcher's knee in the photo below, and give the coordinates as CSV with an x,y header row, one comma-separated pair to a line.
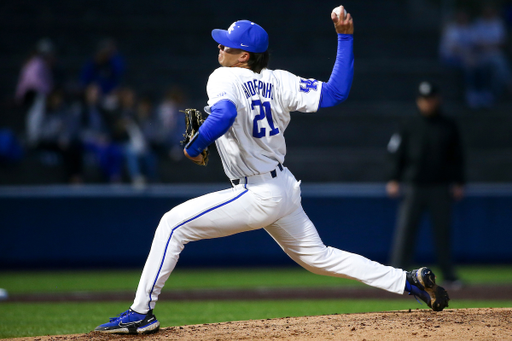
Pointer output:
x,y
170,218
316,263
167,223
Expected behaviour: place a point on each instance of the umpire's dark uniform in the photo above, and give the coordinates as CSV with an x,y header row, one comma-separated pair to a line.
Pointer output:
x,y
426,155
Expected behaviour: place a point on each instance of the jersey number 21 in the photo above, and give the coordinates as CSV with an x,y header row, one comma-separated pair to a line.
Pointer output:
x,y
265,112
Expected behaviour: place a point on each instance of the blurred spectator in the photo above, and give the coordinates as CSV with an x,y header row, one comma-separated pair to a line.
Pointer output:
x,y
51,126
36,76
94,129
105,69
478,50
490,40
150,130
11,149
456,47
172,122
119,114
126,133
95,135
457,50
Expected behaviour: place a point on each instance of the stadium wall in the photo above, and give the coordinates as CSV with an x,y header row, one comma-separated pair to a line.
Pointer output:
x,y
112,226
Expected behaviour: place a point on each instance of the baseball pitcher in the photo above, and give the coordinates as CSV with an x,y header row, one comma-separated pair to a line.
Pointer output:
x,y
248,110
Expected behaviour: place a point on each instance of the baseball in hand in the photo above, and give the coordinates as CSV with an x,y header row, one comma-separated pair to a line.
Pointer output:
x,y
337,11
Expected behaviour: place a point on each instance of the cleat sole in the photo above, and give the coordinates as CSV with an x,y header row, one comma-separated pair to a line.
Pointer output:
x,y
152,328
438,296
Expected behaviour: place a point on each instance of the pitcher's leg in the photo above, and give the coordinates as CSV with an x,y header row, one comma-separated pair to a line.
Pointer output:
x,y
213,215
299,238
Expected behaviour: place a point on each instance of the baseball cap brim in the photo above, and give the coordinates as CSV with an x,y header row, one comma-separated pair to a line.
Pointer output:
x,y
221,37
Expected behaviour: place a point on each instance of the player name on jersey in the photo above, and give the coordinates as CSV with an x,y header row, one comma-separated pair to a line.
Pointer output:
x,y
256,86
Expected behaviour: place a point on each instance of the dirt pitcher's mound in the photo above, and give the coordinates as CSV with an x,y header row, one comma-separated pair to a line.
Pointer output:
x,y
459,324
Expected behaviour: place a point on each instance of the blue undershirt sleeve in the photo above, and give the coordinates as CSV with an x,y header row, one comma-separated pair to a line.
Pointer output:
x,y
336,90
221,118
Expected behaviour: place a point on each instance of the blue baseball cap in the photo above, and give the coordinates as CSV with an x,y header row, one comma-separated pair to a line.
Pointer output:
x,y
243,34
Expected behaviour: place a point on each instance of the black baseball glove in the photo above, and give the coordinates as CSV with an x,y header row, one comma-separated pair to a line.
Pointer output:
x,y
193,120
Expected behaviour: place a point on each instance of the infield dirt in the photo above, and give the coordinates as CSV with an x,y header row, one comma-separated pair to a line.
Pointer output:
x,y
450,324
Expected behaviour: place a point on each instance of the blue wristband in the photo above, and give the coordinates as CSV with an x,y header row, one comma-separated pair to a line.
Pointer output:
x,y
197,144
223,114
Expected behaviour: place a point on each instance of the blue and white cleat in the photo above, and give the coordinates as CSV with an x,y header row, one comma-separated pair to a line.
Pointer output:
x,y
130,322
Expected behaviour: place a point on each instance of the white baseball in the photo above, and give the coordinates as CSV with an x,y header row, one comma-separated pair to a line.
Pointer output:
x,y
337,11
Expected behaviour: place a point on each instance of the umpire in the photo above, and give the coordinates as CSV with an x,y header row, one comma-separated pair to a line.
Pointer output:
x,y
426,156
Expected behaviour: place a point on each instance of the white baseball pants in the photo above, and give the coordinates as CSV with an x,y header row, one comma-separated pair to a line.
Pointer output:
x,y
257,202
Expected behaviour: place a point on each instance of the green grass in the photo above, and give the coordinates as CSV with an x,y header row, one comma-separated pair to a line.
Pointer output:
x,y
34,319
74,318
65,281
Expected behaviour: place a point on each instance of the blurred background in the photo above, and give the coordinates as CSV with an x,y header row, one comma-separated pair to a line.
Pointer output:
x,y
142,62
90,94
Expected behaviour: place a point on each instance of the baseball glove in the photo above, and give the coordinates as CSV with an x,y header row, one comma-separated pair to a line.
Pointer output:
x,y
193,120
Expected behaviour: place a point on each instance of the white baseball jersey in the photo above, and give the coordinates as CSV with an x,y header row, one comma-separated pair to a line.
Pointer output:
x,y
255,142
